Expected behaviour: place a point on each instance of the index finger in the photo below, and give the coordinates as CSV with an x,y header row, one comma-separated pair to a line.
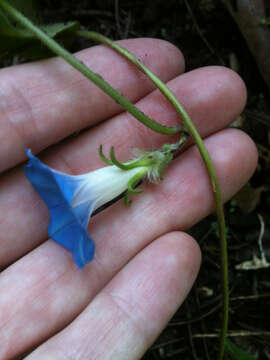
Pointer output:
x,y
43,102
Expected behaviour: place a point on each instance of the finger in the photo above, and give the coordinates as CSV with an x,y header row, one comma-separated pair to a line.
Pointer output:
x,y
134,307
58,291
43,102
214,107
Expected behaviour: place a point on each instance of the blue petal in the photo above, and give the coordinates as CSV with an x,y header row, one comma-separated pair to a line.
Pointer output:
x,y
68,225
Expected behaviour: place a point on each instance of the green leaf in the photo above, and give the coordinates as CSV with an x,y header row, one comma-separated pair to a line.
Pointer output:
x,y
265,21
28,8
60,29
15,40
64,33
235,352
7,29
10,36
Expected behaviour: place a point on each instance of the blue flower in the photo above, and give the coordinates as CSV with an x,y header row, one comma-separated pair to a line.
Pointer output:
x,y
72,199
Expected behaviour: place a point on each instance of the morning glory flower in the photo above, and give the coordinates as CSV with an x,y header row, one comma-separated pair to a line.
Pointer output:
x,y
71,199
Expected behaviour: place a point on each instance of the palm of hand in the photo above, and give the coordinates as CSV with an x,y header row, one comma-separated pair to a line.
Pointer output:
x,y
144,265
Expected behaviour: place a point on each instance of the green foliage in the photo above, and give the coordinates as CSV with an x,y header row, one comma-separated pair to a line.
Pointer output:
x,y
54,30
265,21
235,352
27,7
215,229
233,205
64,33
15,40
10,36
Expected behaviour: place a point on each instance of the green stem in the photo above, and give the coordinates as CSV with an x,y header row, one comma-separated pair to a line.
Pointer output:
x,y
188,125
95,78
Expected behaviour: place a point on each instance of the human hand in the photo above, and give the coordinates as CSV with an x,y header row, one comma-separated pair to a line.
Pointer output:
x,y
144,264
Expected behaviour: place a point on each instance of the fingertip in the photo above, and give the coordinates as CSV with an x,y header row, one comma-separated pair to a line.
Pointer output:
x,y
236,157
244,147
236,91
213,96
174,56
184,253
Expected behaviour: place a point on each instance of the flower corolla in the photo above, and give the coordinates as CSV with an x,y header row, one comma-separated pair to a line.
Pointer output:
x,y
71,199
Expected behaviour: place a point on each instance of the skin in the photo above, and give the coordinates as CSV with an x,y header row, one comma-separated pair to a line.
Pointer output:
x,y
145,264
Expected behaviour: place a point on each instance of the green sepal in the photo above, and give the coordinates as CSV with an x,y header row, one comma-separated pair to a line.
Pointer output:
x,y
163,164
151,162
133,182
103,157
116,162
141,162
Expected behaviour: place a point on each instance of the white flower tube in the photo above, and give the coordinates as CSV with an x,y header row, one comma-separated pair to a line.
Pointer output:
x,y
103,185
